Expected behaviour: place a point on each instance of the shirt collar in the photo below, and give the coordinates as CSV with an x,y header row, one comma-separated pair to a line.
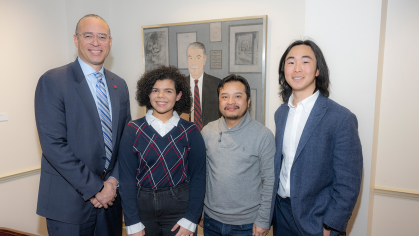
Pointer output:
x,y
150,118
88,70
307,103
200,78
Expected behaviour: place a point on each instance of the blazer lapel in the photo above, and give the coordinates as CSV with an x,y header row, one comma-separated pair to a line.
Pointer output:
x,y
317,113
280,125
114,97
87,98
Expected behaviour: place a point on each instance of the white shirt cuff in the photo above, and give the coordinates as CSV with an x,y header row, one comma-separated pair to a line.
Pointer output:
x,y
187,224
135,228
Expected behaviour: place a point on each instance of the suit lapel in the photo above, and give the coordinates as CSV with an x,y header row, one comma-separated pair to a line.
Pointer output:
x,y
88,101
204,95
280,125
317,113
113,94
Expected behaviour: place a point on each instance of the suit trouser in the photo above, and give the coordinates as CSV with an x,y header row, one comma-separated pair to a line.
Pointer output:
x,y
283,221
101,222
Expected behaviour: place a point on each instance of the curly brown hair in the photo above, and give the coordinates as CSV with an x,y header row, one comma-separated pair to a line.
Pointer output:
x,y
148,79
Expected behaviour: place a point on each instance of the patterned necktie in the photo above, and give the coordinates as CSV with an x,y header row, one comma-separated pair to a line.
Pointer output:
x,y
105,117
197,107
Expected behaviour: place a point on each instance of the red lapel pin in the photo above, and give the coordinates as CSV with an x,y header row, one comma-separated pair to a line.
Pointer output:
x,y
115,86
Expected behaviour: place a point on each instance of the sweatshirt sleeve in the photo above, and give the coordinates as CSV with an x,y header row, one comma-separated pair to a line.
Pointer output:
x,y
128,164
197,173
266,164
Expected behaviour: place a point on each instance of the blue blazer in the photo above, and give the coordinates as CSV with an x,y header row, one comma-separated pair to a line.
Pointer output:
x,y
70,133
327,169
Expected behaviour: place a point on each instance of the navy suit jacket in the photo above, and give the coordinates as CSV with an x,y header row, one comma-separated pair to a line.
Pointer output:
x,y
73,149
327,169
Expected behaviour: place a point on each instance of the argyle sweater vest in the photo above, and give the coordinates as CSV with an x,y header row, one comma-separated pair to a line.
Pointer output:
x,y
148,160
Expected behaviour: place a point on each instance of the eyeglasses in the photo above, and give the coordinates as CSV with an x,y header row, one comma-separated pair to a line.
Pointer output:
x,y
88,37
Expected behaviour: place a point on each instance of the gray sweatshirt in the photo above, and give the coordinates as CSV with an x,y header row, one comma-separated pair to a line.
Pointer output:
x,y
240,172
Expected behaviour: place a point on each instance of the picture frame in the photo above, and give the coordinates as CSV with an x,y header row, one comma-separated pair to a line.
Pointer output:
x,y
155,47
222,38
245,48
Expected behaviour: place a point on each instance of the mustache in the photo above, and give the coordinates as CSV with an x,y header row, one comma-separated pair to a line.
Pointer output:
x,y
237,107
194,67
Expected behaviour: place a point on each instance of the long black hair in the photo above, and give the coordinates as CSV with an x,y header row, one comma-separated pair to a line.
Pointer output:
x,y
322,81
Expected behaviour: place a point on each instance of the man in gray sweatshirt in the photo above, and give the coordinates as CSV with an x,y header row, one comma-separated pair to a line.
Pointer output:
x,y
240,166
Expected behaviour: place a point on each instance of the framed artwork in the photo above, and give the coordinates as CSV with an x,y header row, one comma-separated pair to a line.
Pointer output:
x,y
183,40
215,59
232,45
215,32
245,49
156,48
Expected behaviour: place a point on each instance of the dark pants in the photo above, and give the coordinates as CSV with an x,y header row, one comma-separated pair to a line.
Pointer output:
x,y
102,222
160,210
283,221
216,228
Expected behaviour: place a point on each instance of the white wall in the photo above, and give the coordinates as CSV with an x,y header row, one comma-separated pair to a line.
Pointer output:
x,y
397,161
397,149
348,33
33,40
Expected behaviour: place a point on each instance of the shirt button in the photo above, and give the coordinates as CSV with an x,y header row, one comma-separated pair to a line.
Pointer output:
x,y
221,133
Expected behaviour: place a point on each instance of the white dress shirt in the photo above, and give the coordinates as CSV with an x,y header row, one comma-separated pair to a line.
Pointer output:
x,y
162,129
192,83
297,118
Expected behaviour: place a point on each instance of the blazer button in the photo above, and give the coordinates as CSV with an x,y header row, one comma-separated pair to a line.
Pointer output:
x,y
103,158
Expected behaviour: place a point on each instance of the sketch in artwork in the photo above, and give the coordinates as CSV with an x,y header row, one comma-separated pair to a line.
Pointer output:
x,y
215,59
246,48
183,41
253,102
156,48
215,32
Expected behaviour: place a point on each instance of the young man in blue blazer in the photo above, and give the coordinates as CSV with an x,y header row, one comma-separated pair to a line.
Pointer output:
x,y
318,160
81,110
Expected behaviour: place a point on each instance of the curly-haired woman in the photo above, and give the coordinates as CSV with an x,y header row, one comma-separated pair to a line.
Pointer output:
x,y
162,160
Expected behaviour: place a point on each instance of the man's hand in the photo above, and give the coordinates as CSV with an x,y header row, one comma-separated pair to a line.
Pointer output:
x,y
326,232
258,231
201,221
182,231
141,233
108,193
95,202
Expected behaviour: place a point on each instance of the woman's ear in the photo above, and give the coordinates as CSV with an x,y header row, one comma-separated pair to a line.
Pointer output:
x,y
178,96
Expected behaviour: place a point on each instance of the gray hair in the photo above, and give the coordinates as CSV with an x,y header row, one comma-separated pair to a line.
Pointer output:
x,y
91,16
197,45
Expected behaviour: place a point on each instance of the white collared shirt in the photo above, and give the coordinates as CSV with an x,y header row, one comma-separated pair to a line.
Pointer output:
x,y
162,129
192,83
297,118
89,74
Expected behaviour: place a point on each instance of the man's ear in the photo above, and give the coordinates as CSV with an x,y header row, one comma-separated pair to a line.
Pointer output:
x,y
248,103
76,41
205,58
317,72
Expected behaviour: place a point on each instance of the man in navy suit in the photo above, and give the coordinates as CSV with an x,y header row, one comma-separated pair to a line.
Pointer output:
x,y
318,160
81,110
